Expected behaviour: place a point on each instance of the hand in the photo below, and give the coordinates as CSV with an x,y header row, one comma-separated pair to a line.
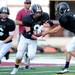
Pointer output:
x,y
36,34
44,33
34,37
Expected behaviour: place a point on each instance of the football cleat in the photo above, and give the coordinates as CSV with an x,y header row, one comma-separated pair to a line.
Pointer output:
x,y
25,67
63,71
14,71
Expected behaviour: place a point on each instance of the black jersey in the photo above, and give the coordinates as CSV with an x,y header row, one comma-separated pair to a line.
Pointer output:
x,y
30,22
67,21
5,27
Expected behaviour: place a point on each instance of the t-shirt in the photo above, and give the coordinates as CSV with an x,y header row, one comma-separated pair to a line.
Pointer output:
x,y
19,17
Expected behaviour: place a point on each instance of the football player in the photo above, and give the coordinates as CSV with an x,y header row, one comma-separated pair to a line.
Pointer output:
x,y
7,27
28,39
67,21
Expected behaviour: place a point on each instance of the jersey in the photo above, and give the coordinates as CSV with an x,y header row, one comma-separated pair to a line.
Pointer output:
x,y
5,27
30,22
19,17
67,21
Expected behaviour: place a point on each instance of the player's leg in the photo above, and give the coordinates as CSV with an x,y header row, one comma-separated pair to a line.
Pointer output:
x,y
27,61
4,49
20,52
67,63
32,48
69,48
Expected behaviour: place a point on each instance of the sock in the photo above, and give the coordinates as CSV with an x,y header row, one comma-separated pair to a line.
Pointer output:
x,y
18,61
67,65
16,66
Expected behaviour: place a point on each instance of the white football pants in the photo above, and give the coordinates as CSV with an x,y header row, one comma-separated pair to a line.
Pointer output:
x,y
4,49
71,46
24,45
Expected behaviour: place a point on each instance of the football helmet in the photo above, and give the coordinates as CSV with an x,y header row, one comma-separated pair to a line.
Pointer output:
x,y
62,7
4,10
36,8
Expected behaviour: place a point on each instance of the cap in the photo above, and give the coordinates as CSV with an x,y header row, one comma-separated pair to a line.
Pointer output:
x,y
27,2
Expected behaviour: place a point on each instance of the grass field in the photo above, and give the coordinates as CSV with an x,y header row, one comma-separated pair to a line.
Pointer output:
x,y
41,70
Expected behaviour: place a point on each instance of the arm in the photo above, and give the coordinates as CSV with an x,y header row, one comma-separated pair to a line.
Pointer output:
x,y
11,29
54,30
18,22
8,39
19,18
11,34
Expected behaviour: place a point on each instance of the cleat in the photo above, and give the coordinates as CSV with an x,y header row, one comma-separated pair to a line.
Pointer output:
x,y
27,67
63,71
14,71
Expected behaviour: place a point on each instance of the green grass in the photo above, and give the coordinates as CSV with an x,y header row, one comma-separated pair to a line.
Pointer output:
x,y
41,70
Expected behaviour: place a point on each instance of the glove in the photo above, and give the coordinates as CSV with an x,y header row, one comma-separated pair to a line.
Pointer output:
x,y
1,43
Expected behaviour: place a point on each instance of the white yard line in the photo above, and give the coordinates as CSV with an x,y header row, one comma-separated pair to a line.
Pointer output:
x,y
43,61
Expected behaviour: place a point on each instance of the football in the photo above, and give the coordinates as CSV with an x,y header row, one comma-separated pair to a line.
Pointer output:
x,y
38,30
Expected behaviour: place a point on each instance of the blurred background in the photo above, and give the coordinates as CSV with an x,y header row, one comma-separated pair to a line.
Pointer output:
x,y
51,49
54,42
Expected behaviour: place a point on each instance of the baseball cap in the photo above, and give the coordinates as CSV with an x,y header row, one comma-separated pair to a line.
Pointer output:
x,y
27,2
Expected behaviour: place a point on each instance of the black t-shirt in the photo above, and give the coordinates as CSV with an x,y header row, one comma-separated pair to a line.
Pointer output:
x,y
67,21
5,27
30,22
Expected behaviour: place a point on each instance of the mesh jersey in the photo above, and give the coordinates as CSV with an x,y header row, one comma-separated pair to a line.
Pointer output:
x,y
6,27
67,21
30,22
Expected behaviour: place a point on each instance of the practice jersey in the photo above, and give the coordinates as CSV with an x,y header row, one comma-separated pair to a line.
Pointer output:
x,y
67,21
5,27
30,22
